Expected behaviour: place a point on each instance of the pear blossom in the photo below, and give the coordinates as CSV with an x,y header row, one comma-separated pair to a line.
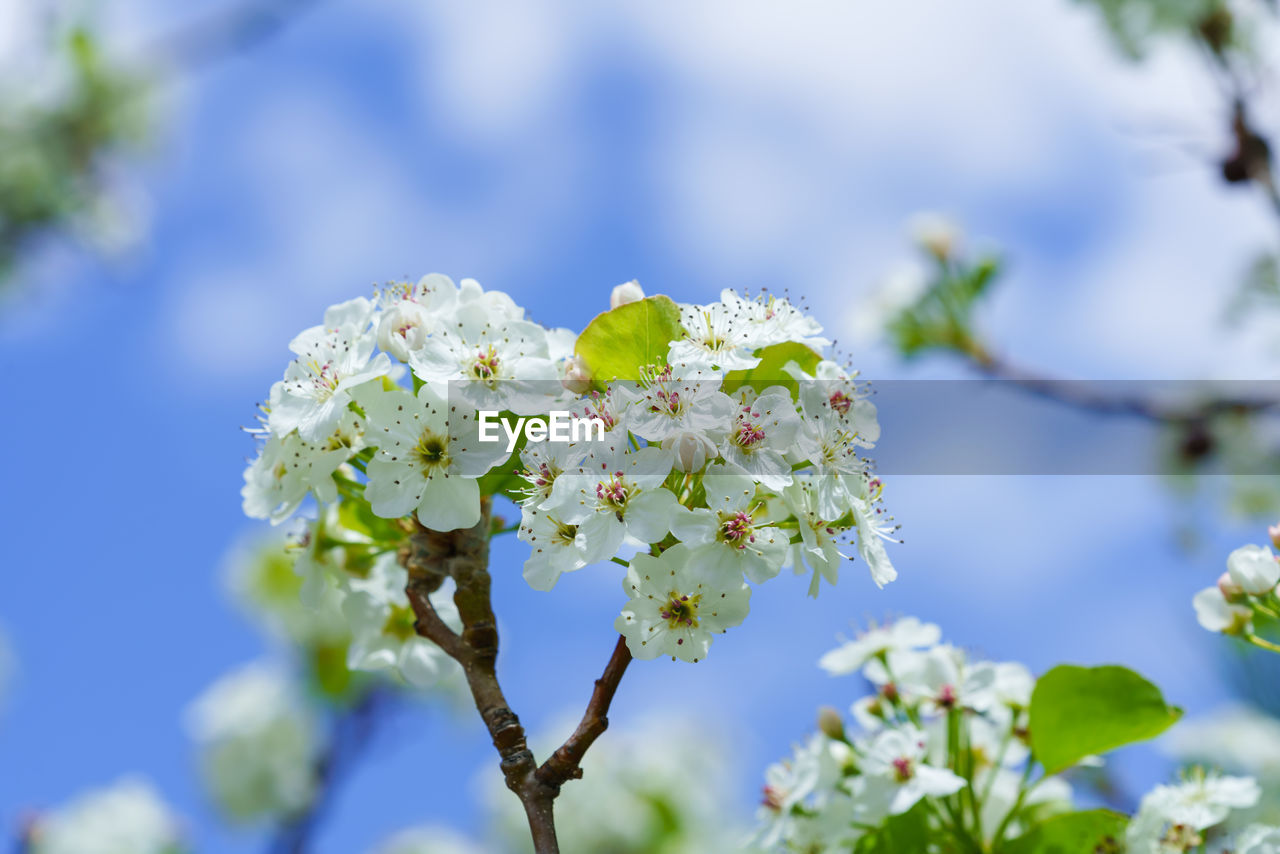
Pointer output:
x,y
905,633
690,451
873,530
333,360
819,546
1254,569
1258,839
1216,614
625,293
717,338
429,840
1171,817
803,783
773,320
936,233
556,547
258,743
762,432
404,328
944,679
730,537
496,366
126,817
675,608
427,460
895,760
382,625
616,494
288,468
677,402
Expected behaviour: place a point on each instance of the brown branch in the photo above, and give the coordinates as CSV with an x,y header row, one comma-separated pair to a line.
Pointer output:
x,y
463,555
1084,395
565,763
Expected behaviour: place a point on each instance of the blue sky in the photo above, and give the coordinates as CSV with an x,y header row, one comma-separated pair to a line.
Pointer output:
x,y
552,151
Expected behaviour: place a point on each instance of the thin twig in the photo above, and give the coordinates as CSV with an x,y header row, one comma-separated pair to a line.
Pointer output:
x,y
350,735
565,763
1084,395
463,555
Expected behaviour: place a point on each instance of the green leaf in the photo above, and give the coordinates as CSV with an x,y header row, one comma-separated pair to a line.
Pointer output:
x,y
898,833
618,343
769,372
1080,711
1072,833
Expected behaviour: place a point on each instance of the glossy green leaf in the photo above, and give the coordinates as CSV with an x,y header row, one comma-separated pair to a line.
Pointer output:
x,y
1072,833
1081,711
619,342
770,370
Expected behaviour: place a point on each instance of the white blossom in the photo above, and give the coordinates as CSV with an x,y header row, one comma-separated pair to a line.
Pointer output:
x,y
258,743
382,625
1216,614
333,360
674,607
1254,568
906,633
126,817
428,458
730,536
626,292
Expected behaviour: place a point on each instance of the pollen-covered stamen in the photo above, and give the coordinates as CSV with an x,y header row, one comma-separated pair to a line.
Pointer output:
x,y
737,529
599,408
946,697
771,798
485,365
680,610
542,478
903,769
747,434
565,535
279,471
840,402
432,450
614,492
324,378
665,402
712,338
1182,837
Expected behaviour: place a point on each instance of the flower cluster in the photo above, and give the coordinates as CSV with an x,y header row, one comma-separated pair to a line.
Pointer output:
x,y
1188,815
941,742
720,448
1245,595
126,817
946,752
259,745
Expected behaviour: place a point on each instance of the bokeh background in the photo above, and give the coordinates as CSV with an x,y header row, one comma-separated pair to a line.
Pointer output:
x,y
553,150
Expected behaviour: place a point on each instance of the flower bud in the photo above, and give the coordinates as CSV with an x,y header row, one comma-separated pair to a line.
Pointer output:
x,y
404,327
692,450
830,723
625,293
936,234
1274,533
1216,614
1231,591
1254,568
576,378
